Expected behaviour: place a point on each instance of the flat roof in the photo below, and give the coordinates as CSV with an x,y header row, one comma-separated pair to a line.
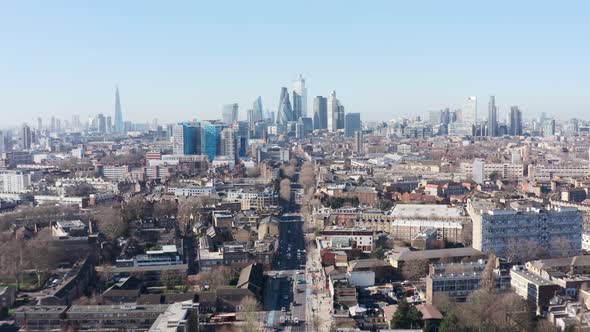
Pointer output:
x,y
117,308
426,211
171,319
532,278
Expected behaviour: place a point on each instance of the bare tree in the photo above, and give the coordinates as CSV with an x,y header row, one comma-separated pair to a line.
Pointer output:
x,y
415,269
41,254
562,247
285,190
288,171
488,278
253,172
524,251
213,279
250,308
467,234
164,209
189,211
171,279
307,176
136,208
11,259
82,189
110,222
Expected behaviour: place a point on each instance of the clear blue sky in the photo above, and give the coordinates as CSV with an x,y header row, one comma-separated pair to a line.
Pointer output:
x,y
181,60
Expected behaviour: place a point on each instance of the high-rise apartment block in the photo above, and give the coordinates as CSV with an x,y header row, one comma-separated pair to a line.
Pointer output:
x,y
186,138
507,231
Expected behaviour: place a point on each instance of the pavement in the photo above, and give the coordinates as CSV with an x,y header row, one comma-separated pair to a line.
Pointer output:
x,y
320,300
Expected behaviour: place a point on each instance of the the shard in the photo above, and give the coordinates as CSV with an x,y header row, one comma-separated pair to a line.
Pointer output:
x,y
118,113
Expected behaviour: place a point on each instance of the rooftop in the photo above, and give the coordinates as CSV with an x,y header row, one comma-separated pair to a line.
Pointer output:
x,y
426,211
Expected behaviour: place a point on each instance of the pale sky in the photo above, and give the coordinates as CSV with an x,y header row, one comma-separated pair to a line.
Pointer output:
x,y
181,60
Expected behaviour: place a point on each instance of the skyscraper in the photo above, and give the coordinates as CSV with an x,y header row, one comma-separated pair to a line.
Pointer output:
x,y
492,118
340,117
352,124
229,146
358,141
301,90
549,128
2,145
119,126
102,123
210,139
76,122
257,108
469,111
109,124
320,113
296,106
26,137
515,121
284,113
186,138
229,113
333,111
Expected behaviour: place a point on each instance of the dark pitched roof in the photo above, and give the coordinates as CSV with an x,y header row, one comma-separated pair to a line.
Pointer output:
x,y
150,299
251,274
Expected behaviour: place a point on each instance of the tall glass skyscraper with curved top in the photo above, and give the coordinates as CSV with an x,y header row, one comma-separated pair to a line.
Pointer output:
x,y
284,113
257,107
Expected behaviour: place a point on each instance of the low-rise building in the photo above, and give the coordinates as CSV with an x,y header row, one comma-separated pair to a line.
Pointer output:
x,y
456,281
533,288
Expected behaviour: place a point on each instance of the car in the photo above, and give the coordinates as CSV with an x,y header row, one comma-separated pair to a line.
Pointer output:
x,y
283,309
296,321
286,297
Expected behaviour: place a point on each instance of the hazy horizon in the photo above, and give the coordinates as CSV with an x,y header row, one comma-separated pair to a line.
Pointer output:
x,y
384,59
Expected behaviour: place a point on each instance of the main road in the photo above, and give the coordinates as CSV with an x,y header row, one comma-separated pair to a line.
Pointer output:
x,y
285,291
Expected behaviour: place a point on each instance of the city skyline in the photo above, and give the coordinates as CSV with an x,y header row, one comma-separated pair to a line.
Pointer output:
x,y
422,59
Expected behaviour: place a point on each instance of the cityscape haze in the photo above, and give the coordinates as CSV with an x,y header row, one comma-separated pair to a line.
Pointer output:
x,y
420,58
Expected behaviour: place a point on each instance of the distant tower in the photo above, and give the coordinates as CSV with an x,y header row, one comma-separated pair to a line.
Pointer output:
x,y
492,118
300,89
285,112
352,124
229,113
478,171
257,107
358,141
26,137
333,112
102,123
2,145
320,112
515,121
118,113
470,111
